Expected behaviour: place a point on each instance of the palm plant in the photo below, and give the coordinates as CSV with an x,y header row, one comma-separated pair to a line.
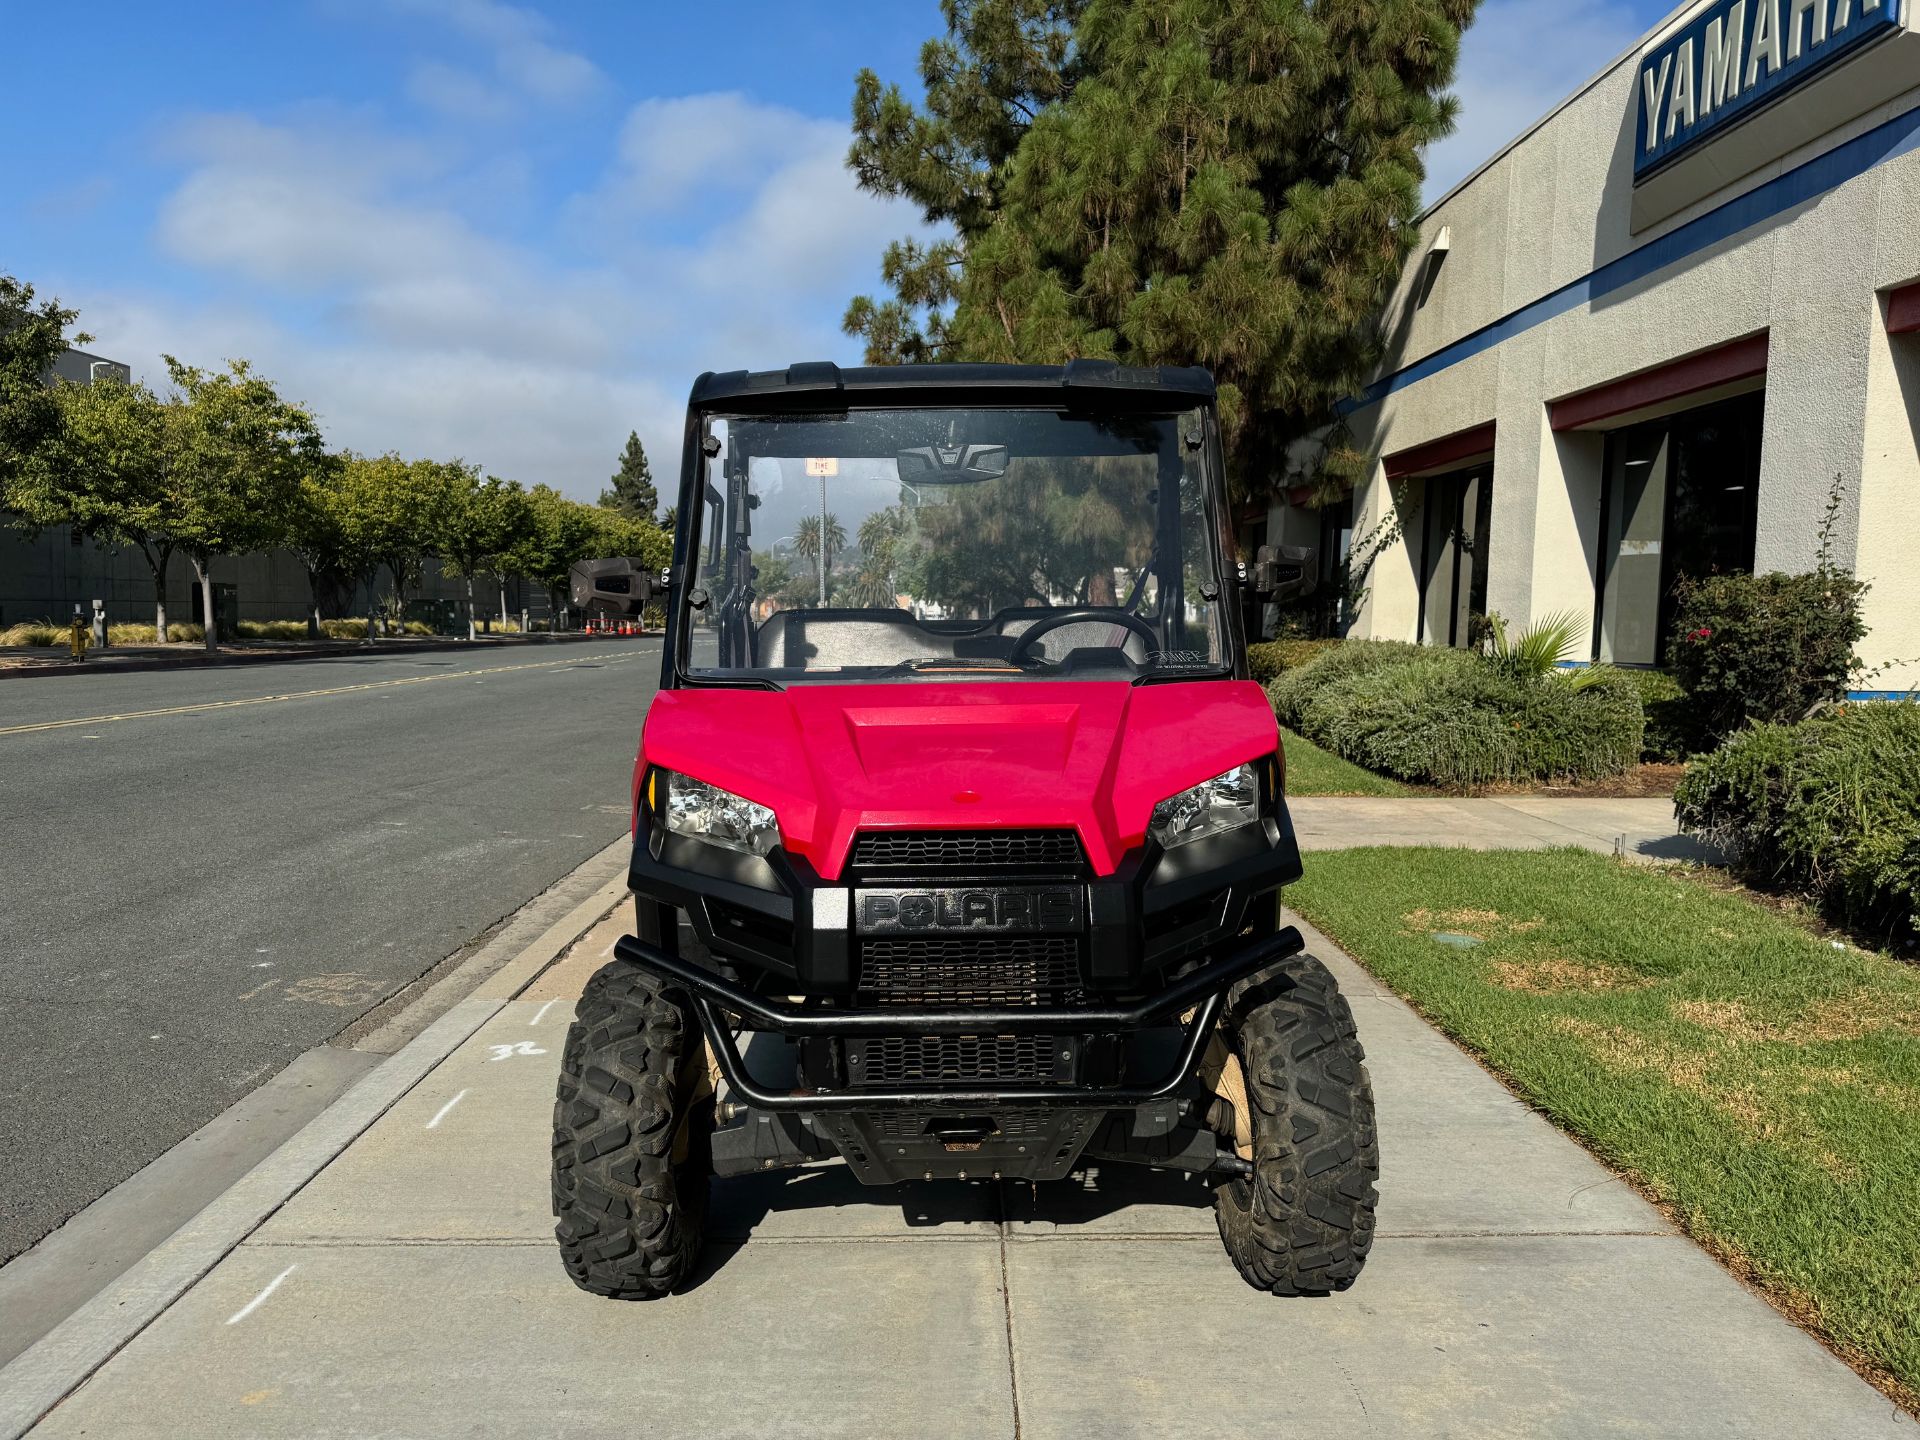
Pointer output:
x,y
1536,652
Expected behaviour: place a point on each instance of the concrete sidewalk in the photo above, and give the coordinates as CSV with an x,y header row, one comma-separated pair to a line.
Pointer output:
x,y
1639,829
412,1288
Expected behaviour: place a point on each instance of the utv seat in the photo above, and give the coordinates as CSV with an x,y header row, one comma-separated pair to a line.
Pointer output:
x,y
835,639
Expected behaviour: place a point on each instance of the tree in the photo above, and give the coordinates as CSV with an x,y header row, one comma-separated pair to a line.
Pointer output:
x,y
482,522
106,468
806,542
1186,182
394,513
317,531
238,455
561,531
31,339
633,492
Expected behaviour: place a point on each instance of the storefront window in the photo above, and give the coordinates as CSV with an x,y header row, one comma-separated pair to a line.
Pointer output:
x,y
1454,524
1681,498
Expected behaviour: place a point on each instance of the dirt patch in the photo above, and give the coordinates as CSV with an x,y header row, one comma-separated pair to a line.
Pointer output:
x,y
1691,1070
1846,1017
1641,782
1475,924
1556,974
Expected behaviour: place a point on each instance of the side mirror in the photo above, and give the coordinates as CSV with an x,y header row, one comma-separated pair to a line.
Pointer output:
x,y
621,586
1284,572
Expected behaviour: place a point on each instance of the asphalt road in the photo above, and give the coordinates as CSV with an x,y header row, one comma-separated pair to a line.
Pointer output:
x,y
222,868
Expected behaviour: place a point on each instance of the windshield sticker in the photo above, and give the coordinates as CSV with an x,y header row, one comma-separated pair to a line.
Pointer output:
x,y
1179,659
823,465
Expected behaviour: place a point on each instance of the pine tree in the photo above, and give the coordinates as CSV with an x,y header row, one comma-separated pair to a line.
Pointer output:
x,y
1230,183
632,491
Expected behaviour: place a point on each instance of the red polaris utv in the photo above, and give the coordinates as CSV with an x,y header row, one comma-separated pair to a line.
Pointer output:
x,y
959,829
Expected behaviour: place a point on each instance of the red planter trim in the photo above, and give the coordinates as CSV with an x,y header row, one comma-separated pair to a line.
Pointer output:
x,y
1903,310
1738,361
1461,445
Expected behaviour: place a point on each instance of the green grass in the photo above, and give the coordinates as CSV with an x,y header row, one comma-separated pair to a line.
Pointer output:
x,y
1313,771
1762,1084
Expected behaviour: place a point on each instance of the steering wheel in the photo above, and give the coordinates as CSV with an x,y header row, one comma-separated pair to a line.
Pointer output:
x,y
1093,615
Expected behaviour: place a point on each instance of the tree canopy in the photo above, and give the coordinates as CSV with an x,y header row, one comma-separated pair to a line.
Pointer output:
x,y
632,491
32,335
1229,183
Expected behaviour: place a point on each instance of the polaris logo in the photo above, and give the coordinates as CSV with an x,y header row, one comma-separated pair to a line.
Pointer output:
x,y
1027,908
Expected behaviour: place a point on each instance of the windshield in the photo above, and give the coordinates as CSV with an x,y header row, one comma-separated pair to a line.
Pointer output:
x,y
984,544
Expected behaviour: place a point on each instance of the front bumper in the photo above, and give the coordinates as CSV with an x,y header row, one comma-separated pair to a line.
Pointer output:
x,y
1202,991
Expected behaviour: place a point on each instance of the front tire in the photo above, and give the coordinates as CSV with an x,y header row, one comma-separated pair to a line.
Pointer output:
x,y
631,1132
1302,1222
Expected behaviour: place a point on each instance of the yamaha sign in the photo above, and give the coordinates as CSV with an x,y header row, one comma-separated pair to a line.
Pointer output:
x,y
1738,57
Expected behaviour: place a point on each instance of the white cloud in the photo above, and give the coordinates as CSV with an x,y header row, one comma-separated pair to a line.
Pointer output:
x,y
1519,60
459,95
366,272
517,38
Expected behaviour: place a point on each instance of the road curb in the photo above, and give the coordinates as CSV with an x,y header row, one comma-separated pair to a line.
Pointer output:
x,y
67,1356
343,650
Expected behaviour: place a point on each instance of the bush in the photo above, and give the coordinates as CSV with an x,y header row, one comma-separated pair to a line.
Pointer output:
x,y
344,629
1449,717
1267,661
1673,730
1767,649
1828,808
33,632
271,629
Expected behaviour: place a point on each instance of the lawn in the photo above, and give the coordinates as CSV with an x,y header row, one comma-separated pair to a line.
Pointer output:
x,y
1759,1082
1313,771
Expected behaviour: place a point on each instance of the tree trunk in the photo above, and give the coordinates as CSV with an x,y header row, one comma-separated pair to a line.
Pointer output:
x,y
204,570
313,607
367,580
158,561
473,627
503,602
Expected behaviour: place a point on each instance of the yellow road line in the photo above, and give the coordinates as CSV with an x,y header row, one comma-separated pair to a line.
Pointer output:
x,y
296,695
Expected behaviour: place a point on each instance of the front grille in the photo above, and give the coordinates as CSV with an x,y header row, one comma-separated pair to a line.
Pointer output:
x,y
1000,971
966,851
966,970
912,1124
939,1059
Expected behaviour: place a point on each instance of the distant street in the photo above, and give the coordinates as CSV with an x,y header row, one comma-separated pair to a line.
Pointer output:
x,y
197,893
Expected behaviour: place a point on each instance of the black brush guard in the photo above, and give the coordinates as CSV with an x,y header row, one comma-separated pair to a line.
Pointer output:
x,y
1203,989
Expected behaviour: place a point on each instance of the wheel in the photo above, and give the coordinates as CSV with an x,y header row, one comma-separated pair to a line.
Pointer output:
x,y
1302,1222
631,1137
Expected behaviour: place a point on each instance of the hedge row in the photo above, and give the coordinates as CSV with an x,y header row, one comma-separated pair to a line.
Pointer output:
x,y
1447,717
1829,808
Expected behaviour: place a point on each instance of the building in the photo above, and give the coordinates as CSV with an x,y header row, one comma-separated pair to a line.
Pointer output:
x,y
1646,338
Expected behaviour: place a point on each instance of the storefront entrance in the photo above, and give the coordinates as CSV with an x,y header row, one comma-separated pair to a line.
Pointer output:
x,y
1681,498
1455,521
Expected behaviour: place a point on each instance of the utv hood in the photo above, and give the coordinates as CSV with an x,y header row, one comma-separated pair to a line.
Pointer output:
x,y
831,760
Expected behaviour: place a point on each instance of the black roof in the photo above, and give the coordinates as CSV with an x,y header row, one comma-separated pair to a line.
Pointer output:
x,y
821,384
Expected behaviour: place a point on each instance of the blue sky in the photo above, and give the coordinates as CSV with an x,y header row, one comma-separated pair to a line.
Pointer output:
x,y
513,233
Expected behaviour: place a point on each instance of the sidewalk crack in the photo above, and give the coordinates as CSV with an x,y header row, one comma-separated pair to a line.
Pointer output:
x,y
1006,1305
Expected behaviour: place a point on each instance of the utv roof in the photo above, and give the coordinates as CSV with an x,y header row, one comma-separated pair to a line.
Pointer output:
x,y
821,384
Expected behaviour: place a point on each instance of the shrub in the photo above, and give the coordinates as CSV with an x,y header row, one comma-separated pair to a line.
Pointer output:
x,y
1268,660
33,632
1767,649
1829,808
344,629
272,629
1450,717
1336,663
1673,730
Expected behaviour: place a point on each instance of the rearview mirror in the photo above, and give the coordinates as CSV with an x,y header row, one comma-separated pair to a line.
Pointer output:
x,y
620,586
1284,572
951,464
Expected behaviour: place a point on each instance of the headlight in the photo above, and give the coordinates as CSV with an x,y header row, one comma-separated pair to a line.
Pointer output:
x,y
1222,803
719,817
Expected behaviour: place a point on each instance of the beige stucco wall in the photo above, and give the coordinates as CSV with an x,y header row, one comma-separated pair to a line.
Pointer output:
x,y
1841,394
